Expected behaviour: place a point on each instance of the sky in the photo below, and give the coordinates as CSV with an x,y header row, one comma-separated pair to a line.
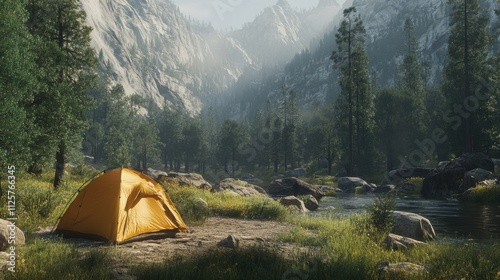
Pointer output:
x,y
224,14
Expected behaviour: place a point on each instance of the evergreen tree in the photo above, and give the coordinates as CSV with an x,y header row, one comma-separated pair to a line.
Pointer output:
x,y
230,137
290,120
67,71
468,114
118,124
192,135
356,101
392,119
146,144
16,84
171,128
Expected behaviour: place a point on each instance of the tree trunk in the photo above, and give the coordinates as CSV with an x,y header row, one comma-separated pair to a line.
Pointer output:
x,y
60,164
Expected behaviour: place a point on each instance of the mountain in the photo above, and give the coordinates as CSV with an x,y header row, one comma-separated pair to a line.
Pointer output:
x,y
310,73
280,32
154,51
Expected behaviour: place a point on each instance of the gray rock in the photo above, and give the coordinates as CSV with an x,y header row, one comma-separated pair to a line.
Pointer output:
x,y
231,242
444,181
10,233
190,179
311,203
330,189
397,242
295,187
413,226
398,175
473,177
158,175
200,204
496,161
295,203
349,184
396,270
239,187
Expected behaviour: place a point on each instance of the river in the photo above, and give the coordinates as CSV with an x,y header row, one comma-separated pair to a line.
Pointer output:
x,y
450,218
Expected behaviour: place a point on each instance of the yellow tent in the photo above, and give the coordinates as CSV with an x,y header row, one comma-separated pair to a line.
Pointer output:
x,y
119,205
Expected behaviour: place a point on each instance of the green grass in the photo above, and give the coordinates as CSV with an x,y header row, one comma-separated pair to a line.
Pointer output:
x,y
223,204
47,259
484,194
323,181
338,248
419,182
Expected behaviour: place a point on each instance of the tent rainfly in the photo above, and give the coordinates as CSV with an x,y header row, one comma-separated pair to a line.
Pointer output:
x,y
119,205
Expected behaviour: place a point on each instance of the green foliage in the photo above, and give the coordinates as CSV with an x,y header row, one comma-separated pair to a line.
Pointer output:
x,y
247,263
462,261
38,204
65,64
484,194
468,126
16,83
380,213
355,106
419,182
48,259
223,204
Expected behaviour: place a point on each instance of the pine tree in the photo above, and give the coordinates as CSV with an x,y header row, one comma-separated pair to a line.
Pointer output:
x,y
16,84
67,71
290,120
230,137
467,65
356,101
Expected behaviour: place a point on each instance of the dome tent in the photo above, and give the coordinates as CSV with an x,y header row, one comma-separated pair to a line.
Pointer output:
x,y
119,205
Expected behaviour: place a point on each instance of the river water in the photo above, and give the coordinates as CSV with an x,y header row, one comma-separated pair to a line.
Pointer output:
x,y
450,218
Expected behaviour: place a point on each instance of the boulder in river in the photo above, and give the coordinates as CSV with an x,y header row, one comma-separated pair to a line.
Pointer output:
x,y
473,177
295,203
349,184
446,180
398,175
294,186
413,226
311,203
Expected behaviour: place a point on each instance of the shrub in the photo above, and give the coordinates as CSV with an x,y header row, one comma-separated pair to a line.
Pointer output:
x,y
419,182
380,212
484,194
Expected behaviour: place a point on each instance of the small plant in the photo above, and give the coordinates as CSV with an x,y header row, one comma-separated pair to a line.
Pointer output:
x,y
484,194
380,212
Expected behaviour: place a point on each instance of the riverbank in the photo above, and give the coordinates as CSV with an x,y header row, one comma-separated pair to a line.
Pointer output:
x,y
273,244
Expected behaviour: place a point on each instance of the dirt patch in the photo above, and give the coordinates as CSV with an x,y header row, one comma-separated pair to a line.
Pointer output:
x,y
198,239
202,237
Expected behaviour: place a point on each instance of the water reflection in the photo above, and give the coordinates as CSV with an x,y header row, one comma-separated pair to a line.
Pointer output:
x,y
450,218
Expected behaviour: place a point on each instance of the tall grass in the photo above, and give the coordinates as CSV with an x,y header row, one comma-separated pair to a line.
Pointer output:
x,y
44,259
187,201
484,194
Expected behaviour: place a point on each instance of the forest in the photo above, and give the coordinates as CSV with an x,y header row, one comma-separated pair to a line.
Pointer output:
x,y
58,104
